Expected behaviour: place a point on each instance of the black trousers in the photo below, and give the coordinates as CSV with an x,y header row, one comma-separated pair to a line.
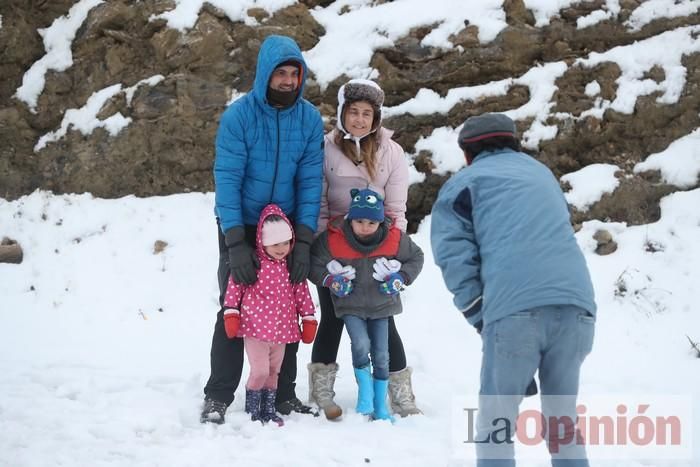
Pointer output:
x,y
330,330
226,356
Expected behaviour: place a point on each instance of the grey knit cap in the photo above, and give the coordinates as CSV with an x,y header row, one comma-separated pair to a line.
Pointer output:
x,y
485,126
357,90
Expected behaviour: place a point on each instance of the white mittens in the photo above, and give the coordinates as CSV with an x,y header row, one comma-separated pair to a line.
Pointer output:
x,y
383,268
335,268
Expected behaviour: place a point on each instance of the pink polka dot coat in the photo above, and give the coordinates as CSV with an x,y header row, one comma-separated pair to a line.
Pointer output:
x,y
270,308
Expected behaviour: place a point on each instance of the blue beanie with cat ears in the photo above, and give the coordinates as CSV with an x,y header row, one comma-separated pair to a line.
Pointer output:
x,y
366,204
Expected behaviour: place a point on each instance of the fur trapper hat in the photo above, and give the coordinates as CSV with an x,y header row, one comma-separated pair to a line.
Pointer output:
x,y
361,90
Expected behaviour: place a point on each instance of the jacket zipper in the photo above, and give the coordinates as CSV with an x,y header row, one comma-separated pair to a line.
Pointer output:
x,y
277,158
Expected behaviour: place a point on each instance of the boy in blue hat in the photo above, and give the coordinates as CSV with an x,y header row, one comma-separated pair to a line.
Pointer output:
x,y
366,262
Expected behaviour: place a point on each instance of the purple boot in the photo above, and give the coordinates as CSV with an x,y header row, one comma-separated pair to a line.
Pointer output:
x,y
253,403
268,411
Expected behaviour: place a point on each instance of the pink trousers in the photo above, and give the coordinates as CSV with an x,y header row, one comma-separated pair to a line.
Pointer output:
x,y
265,360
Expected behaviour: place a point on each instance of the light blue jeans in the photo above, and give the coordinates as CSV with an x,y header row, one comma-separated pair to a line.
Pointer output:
x,y
369,337
553,340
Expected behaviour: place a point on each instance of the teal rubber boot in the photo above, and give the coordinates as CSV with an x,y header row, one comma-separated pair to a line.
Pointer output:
x,y
365,392
381,411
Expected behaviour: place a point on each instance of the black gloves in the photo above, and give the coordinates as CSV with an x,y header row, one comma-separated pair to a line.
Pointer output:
x,y
241,257
244,263
299,261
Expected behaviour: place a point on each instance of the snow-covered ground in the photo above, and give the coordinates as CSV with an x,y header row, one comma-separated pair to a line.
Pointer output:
x,y
104,343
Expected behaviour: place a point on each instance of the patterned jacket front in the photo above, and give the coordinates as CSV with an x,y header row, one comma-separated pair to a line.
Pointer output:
x,y
365,301
270,308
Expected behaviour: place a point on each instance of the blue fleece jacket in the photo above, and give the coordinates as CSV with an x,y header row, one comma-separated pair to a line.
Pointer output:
x,y
268,155
500,233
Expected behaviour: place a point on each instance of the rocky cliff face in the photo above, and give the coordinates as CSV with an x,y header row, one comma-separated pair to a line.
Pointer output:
x,y
168,145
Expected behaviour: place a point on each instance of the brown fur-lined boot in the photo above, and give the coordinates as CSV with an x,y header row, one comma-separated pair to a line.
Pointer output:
x,y
403,402
321,381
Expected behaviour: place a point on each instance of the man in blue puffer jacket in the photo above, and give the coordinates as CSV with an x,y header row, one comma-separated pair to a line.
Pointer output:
x,y
502,237
269,149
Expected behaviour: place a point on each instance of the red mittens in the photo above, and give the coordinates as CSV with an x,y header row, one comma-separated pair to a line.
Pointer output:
x,y
308,330
232,320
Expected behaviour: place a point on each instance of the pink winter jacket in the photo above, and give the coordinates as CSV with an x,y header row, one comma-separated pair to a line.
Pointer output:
x,y
340,174
270,308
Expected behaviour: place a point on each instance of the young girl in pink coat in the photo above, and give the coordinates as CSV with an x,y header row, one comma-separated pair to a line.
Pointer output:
x,y
266,313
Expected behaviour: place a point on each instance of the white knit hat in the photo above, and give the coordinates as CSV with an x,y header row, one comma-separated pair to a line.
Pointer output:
x,y
275,232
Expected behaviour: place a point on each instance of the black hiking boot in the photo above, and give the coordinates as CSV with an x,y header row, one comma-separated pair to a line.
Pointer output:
x,y
295,405
213,411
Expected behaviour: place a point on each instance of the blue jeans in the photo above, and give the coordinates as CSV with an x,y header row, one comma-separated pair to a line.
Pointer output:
x,y
552,339
369,337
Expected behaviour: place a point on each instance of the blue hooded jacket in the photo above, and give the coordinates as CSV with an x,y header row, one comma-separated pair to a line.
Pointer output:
x,y
500,233
268,155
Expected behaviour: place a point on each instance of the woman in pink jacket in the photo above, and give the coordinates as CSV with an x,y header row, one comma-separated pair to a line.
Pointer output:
x,y
266,313
359,153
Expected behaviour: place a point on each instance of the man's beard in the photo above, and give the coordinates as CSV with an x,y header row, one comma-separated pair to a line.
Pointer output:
x,y
281,98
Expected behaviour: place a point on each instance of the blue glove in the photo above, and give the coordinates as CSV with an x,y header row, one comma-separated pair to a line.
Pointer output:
x,y
392,285
339,286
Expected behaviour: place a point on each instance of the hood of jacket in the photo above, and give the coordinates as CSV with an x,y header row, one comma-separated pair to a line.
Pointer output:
x,y
273,51
267,211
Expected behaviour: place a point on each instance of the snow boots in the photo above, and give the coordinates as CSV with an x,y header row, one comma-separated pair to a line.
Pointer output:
x,y
268,411
403,402
381,411
213,411
253,401
365,391
321,381
295,405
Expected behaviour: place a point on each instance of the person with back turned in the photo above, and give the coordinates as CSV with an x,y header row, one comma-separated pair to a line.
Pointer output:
x,y
501,234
